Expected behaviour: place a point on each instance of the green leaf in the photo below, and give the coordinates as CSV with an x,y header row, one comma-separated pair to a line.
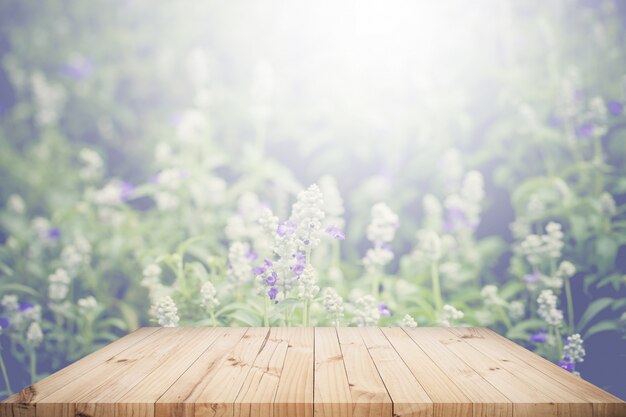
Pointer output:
x,y
521,331
593,310
6,288
603,326
247,318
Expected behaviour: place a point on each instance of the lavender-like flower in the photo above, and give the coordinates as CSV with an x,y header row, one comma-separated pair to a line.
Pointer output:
x,y
240,270
408,321
208,296
166,312
540,337
34,334
366,311
333,304
449,315
384,310
547,308
307,214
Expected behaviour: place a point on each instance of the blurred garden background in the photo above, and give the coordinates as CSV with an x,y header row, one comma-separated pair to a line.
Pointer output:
x,y
205,163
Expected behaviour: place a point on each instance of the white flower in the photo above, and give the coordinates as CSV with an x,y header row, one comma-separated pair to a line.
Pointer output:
x,y
166,312
408,321
450,314
16,204
433,212
574,349
10,302
607,203
152,271
49,98
109,195
208,296
87,304
366,311
384,223
166,201
376,258
307,214
307,288
333,304
542,248
516,310
240,270
41,226
34,335
170,178
92,164
566,270
489,293
429,245
547,308
59,285
472,189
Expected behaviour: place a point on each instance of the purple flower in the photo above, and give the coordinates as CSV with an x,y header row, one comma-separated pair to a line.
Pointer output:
x,y
54,233
336,233
298,269
532,278
584,131
78,68
272,293
567,364
126,191
384,310
4,322
271,279
259,270
25,306
539,337
252,256
615,107
286,228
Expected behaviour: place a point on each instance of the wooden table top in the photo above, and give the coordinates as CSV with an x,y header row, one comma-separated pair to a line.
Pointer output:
x,y
301,372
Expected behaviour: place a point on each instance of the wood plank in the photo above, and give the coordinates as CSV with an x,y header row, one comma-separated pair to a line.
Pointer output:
x,y
331,388
179,399
527,399
604,404
256,397
94,393
22,404
368,392
568,404
294,395
448,399
487,401
139,400
407,395
218,397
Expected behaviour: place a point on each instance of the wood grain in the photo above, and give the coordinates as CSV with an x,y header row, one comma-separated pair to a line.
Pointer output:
x,y
306,372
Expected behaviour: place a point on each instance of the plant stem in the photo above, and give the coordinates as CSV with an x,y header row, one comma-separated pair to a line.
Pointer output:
x,y
266,318
505,317
559,341
570,304
434,275
307,313
213,318
5,375
33,365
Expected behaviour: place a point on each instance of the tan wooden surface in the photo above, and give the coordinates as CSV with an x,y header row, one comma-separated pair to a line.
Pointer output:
x,y
306,372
